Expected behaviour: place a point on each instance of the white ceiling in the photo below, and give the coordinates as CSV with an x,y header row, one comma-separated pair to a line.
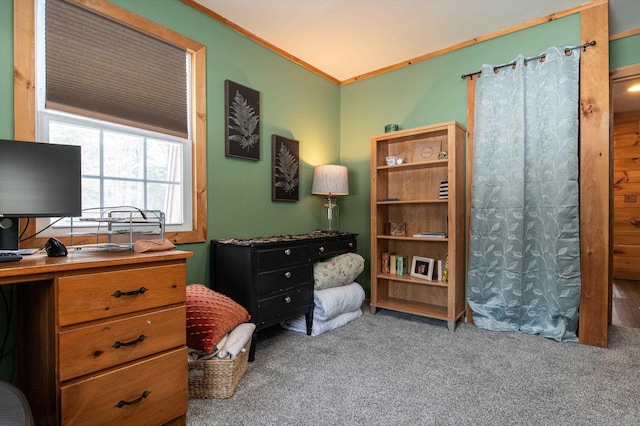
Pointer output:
x,y
349,38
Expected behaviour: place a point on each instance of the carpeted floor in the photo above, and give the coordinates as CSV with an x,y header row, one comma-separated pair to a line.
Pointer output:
x,y
398,369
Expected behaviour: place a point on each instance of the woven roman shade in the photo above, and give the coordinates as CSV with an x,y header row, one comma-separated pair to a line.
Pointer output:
x,y
103,69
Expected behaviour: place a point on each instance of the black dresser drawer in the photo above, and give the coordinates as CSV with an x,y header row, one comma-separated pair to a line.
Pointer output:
x,y
283,305
282,279
282,256
333,248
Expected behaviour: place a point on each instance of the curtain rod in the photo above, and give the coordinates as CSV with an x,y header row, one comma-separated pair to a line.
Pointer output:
x,y
567,52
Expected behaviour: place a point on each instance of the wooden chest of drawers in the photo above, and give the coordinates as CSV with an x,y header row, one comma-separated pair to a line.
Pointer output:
x,y
107,338
272,277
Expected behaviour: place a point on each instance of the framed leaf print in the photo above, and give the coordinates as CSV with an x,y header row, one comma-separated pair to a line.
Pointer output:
x,y
285,175
242,121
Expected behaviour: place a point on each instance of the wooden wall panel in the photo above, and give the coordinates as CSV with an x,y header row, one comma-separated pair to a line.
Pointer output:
x,y
626,181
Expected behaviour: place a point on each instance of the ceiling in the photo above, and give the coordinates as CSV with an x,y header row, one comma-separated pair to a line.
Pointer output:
x,y
345,39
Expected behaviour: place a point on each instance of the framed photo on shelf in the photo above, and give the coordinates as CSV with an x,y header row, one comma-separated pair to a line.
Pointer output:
x,y
242,121
285,165
422,267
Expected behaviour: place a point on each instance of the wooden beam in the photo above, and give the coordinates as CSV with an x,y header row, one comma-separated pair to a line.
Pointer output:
x,y
471,113
595,177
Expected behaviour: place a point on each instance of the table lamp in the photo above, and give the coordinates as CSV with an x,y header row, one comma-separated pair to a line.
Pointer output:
x,y
330,181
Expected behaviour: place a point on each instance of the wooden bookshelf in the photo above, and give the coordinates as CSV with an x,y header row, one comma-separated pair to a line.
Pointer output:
x,y
409,193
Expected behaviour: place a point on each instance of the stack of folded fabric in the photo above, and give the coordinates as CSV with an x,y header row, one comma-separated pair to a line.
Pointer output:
x,y
229,346
337,297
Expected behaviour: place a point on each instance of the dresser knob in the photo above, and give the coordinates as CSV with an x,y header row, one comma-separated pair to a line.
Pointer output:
x,y
287,274
287,252
321,249
351,245
287,299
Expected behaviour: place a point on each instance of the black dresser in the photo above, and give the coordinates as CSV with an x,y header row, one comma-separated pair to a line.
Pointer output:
x,y
272,277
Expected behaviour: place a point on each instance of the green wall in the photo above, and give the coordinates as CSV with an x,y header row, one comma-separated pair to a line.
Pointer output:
x,y
424,93
625,51
294,103
6,70
332,123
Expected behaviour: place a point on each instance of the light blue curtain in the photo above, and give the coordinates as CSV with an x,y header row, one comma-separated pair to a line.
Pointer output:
x,y
524,249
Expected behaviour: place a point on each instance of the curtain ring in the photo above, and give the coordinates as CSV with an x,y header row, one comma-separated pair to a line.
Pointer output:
x,y
495,70
542,58
513,66
567,52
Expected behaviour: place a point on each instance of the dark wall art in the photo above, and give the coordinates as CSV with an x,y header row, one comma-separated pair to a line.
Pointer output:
x,y
242,118
285,176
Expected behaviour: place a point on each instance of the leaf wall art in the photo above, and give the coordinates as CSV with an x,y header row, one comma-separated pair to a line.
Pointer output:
x,y
285,176
242,118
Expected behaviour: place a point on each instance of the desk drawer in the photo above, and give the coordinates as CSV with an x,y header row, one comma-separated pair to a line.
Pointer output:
x,y
97,401
282,256
100,295
89,349
279,280
299,299
333,248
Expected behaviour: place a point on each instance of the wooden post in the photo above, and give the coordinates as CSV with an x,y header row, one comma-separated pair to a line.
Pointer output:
x,y
595,176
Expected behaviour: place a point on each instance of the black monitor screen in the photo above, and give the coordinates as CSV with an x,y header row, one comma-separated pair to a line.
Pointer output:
x,y
40,180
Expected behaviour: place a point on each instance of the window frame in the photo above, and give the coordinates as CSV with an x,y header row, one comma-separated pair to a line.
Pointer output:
x,y
25,102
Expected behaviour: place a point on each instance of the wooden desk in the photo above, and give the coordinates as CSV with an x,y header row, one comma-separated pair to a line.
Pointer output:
x,y
102,336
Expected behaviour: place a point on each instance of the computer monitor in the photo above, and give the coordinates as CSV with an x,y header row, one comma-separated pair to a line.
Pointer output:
x,y
37,180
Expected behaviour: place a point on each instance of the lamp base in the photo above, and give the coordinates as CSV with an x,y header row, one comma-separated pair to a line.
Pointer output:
x,y
330,215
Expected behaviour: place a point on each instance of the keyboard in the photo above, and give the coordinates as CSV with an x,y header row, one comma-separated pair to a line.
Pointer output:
x,y
9,257
21,252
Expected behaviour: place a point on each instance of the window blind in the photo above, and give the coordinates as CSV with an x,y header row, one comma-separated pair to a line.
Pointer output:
x,y
103,69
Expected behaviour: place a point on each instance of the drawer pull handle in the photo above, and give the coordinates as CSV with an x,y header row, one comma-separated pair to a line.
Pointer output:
x,y
287,274
119,293
351,245
119,344
122,403
287,252
287,299
321,249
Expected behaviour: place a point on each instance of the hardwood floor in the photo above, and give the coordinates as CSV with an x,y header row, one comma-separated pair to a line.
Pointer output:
x,y
626,303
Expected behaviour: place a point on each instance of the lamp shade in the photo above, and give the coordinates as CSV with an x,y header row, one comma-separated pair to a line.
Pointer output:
x,y
330,180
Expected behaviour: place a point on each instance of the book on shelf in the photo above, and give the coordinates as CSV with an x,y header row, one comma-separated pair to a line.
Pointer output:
x,y
393,262
386,259
430,235
445,271
440,269
402,267
444,190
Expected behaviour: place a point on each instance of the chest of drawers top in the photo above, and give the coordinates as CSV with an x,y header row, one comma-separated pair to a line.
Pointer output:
x,y
279,250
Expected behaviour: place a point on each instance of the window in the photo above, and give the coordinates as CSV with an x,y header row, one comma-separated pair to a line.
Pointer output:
x,y
156,170
124,166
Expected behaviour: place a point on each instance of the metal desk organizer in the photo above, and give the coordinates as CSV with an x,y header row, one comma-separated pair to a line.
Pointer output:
x,y
121,228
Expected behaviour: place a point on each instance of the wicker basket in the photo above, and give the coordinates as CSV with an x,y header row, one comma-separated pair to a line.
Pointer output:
x,y
217,378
